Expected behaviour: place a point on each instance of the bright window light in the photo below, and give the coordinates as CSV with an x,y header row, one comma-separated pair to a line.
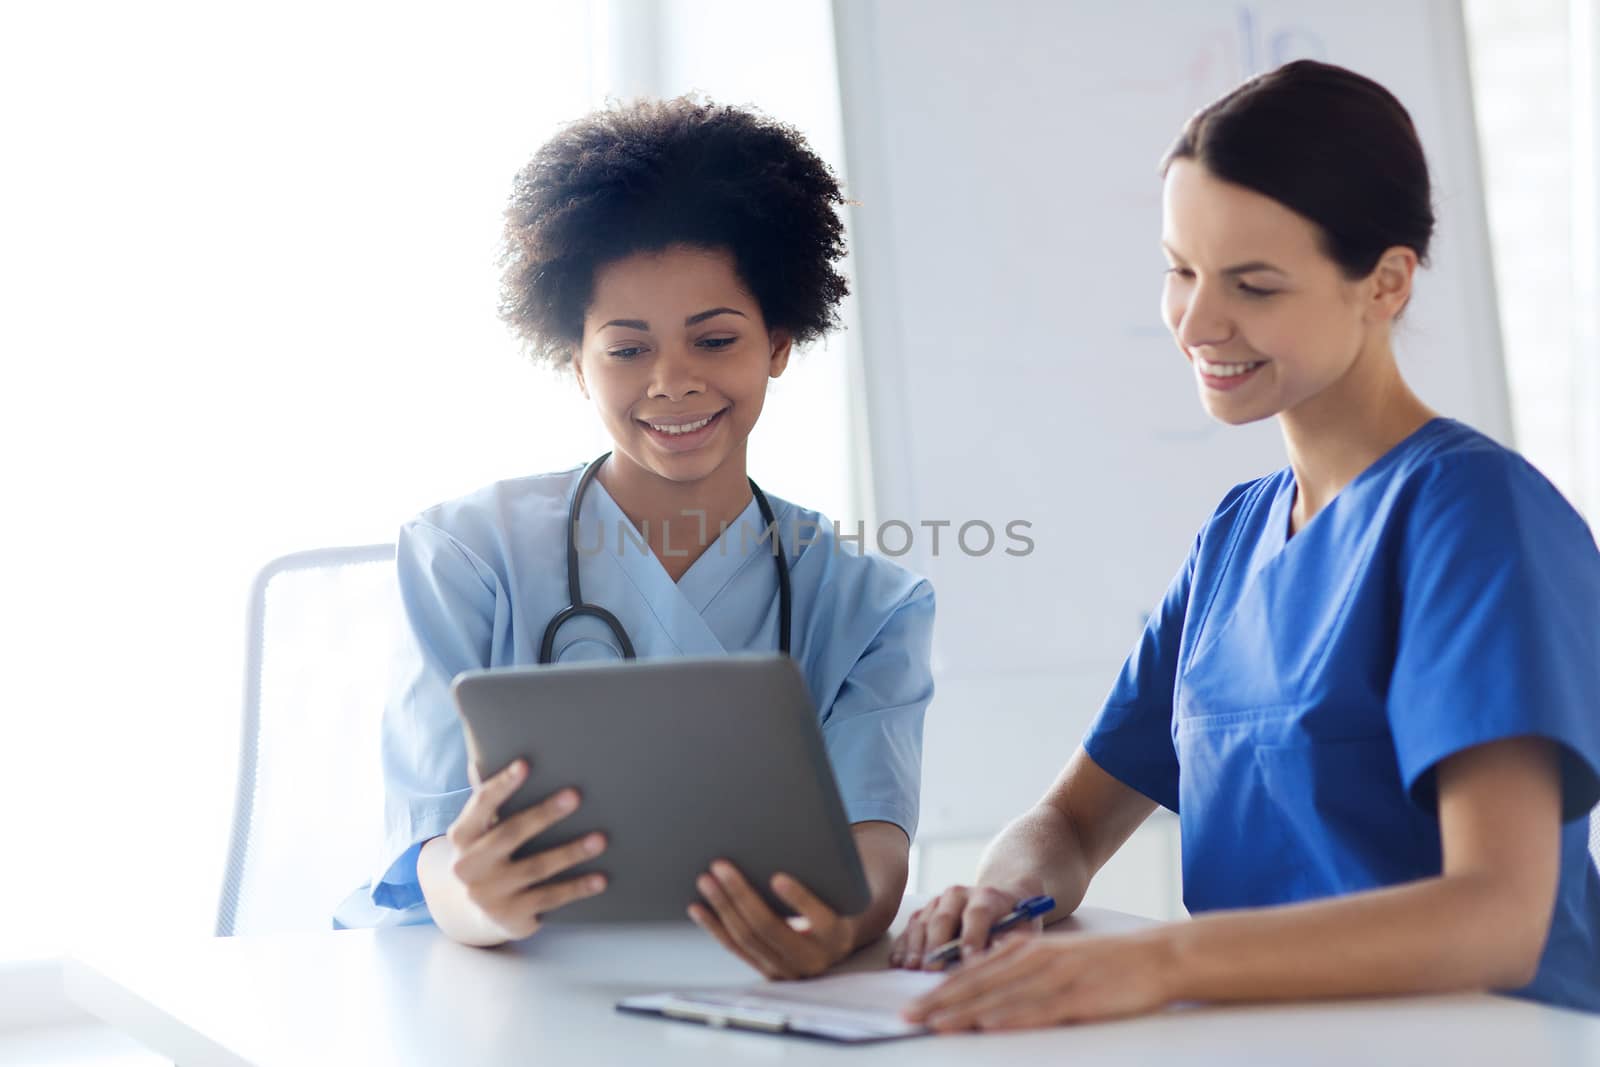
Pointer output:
x,y
249,284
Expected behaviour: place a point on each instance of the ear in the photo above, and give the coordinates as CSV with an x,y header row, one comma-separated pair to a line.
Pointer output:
x,y
1390,283
782,345
577,371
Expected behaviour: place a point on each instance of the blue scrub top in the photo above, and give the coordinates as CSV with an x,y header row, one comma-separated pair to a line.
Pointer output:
x,y
1291,698
482,576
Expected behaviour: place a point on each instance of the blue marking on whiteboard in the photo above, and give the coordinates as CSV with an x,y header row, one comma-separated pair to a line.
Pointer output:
x,y
1247,44
1291,42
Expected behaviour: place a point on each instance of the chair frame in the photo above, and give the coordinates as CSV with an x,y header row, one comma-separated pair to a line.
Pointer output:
x,y
250,724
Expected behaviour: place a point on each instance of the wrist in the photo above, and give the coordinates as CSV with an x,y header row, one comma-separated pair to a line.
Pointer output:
x,y
454,911
1171,962
855,935
478,928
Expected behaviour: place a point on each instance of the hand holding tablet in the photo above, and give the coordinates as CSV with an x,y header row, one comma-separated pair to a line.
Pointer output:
x,y
679,762
514,894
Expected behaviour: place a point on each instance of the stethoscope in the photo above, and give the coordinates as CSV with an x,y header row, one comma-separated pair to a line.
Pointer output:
x,y
575,593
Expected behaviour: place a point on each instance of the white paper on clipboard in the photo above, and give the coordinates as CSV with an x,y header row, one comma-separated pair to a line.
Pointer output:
x,y
851,1008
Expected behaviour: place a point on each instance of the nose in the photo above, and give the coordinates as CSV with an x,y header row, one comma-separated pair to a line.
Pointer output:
x,y
1202,321
675,374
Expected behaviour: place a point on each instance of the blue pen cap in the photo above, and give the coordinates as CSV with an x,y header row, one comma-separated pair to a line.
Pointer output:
x,y
1034,907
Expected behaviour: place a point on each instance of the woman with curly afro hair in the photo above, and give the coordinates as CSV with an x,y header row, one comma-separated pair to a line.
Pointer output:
x,y
671,254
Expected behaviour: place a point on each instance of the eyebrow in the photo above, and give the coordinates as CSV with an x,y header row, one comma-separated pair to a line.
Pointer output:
x,y
1252,266
712,313
1241,268
697,317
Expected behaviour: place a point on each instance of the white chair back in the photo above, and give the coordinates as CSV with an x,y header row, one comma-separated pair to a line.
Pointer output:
x,y
309,805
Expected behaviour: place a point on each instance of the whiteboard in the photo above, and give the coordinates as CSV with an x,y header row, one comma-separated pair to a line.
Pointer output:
x,y
1006,221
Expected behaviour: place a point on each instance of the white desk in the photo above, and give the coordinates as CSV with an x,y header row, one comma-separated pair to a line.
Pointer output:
x,y
410,996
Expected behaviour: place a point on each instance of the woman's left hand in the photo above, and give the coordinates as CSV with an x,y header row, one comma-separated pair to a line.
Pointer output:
x,y
1045,981
779,948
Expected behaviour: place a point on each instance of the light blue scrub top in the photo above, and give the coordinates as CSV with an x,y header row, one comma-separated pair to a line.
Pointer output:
x,y
481,577
1291,698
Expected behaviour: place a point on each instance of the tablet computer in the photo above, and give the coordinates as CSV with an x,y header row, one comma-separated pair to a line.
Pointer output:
x,y
679,762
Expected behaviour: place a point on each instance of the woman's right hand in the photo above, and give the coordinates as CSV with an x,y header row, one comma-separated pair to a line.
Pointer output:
x,y
512,895
964,911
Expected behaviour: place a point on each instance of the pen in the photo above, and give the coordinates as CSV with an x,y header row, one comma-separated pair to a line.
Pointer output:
x,y
1031,908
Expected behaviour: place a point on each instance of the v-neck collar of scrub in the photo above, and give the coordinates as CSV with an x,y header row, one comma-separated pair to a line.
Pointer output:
x,y
1262,560
707,576
1283,504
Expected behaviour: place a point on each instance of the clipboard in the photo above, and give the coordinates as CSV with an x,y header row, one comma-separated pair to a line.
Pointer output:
x,y
852,1009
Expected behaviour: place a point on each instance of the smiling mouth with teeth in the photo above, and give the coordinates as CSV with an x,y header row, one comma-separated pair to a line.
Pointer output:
x,y
678,429
1226,370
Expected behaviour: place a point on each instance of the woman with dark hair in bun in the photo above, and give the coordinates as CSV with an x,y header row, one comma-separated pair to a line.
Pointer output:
x,y
1370,692
671,255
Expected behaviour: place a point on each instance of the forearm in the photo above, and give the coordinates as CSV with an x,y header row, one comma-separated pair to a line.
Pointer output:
x,y
885,859
1442,934
453,912
1040,849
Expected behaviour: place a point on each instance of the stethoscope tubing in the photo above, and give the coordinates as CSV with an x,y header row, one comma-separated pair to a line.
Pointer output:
x,y
577,607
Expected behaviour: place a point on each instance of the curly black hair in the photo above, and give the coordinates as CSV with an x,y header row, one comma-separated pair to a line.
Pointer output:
x,y
654,173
